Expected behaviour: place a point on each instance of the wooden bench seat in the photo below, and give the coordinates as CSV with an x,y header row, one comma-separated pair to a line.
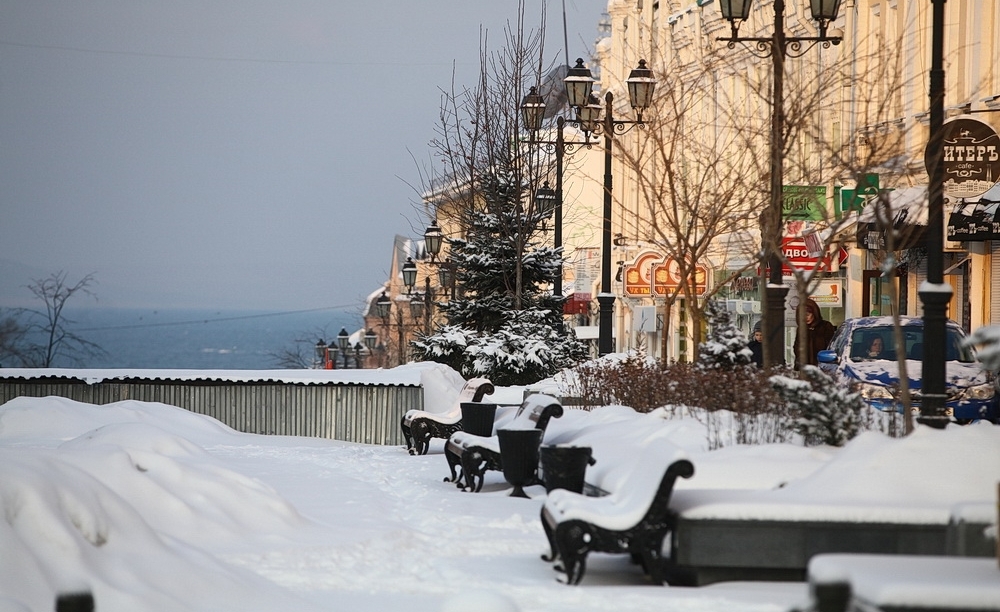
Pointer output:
x,y
419,426
632,518
470,456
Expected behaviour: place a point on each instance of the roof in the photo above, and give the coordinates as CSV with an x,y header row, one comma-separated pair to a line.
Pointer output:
x,y
403,376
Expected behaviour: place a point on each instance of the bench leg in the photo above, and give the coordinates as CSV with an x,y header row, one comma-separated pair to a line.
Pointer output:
x,y
551,537
454,464
421,437
572,541
473,468
406,435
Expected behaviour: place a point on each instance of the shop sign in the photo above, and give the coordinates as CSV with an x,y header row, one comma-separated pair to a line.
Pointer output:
x,y
805,202
743,284
802,256
638,274
976,220
667,278
970,156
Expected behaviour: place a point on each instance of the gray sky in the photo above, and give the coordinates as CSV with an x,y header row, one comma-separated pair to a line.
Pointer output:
x,y
229,153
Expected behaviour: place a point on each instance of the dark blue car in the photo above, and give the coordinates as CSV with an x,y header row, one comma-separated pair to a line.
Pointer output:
x,y
863,355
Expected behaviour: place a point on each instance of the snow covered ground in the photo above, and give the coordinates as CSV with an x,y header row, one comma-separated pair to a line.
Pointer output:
x,y
151,507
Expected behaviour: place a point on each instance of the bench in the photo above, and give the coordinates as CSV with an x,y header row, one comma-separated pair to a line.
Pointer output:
x,y
419,426
633,517
476,455
902,583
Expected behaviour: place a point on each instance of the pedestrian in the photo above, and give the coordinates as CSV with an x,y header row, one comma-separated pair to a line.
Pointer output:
x,y
819,332
755,346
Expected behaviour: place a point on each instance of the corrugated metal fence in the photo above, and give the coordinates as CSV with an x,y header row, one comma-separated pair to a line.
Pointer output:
x,y
363,413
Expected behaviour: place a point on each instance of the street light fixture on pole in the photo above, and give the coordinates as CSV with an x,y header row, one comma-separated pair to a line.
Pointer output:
x,y
579,85
533,114
778,46
343,342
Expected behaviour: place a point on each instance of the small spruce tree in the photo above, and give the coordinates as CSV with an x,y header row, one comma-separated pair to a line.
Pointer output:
x,y
504,324
726,346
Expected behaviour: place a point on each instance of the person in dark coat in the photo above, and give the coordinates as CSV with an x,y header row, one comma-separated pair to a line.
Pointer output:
x,y
755,346
819,332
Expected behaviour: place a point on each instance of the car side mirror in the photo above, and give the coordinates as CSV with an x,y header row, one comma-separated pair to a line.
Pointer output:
x,y
826,356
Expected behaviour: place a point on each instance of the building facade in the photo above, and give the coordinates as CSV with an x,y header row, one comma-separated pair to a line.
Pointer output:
x,y
857,124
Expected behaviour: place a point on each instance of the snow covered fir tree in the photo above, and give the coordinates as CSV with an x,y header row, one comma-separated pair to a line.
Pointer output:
x,y
503,321
726,346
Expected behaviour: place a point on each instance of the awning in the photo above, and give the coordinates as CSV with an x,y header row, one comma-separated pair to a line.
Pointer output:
x,y
907,214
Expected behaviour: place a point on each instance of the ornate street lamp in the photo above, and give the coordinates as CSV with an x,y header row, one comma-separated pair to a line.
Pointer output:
x,y
321,358
778,46
371,338
409,274
446,275
382,306
417,306
533,110
433,238
343,340
579,84
545,200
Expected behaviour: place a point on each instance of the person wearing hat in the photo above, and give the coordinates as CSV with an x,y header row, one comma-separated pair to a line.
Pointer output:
x,y
818,330
755,346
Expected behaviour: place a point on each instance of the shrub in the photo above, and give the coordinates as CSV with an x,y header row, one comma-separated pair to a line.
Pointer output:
x,y
822,412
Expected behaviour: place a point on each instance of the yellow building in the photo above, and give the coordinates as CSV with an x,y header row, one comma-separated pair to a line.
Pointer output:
x,y
856,115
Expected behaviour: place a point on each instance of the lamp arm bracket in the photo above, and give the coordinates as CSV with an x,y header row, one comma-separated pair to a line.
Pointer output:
x,y
793,46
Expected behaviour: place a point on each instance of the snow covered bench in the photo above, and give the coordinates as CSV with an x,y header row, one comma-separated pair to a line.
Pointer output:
x,y
478,454
902,583
632,518
419,426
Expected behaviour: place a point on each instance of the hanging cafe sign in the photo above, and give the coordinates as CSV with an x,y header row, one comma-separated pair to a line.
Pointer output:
x,y
971,158
653,274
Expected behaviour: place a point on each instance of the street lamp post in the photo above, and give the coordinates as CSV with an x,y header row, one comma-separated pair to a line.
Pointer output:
x,y
579,85
343,341
778,46
935,294
533,114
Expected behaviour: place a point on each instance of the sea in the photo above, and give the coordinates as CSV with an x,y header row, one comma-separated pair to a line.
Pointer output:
x,y
203,339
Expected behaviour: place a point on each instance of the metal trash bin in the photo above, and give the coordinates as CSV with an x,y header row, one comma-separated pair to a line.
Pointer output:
x,y
477,418
564,467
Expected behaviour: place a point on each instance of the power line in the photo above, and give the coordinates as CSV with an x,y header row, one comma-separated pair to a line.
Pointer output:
x,y
210,58
217,320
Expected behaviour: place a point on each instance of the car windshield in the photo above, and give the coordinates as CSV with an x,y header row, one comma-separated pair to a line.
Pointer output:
x,y
878,343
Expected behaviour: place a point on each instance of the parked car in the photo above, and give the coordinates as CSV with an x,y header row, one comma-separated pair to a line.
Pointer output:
x,y
863,355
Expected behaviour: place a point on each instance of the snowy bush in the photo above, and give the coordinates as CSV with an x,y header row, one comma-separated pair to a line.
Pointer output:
x,y
822,412
726,346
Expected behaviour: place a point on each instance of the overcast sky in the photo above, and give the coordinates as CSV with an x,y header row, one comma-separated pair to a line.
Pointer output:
x,y
229,153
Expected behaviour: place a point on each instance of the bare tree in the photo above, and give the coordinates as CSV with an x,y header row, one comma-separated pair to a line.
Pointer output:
x,y
697,173
52,326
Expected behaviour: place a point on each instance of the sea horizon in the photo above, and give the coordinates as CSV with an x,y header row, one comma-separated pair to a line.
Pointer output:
x,y
201,338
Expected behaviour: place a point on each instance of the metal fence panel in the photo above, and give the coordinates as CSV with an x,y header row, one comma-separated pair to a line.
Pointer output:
x,y
368,414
